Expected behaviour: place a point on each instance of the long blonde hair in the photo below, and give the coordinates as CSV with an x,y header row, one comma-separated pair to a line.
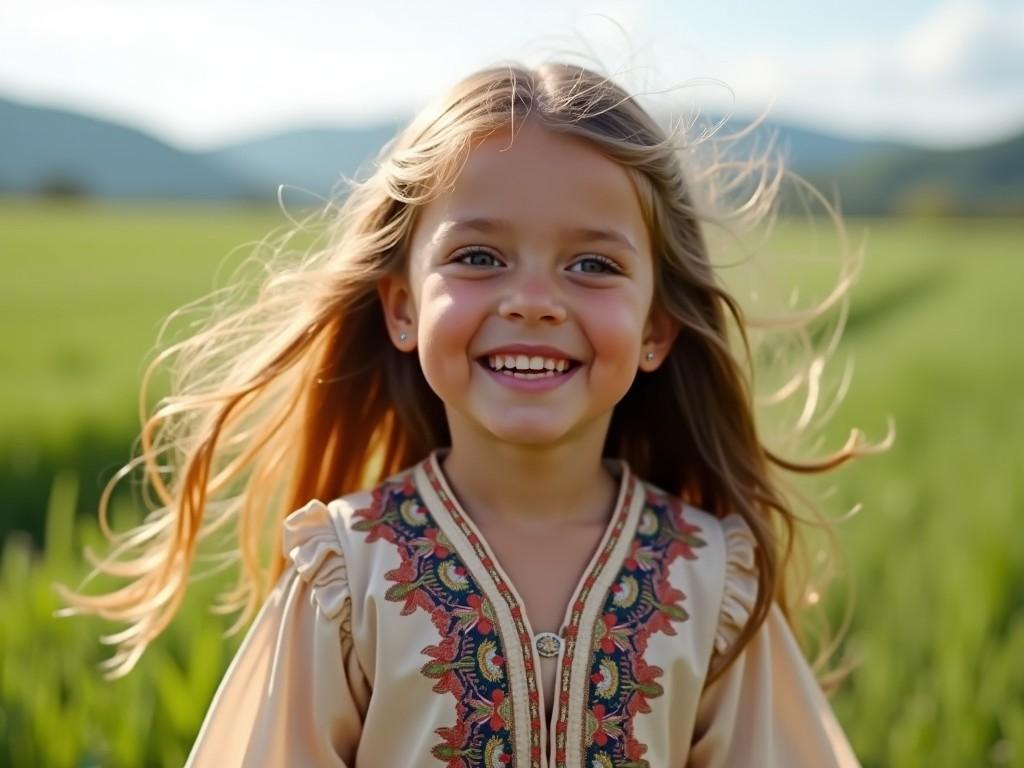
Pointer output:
x,y
299,394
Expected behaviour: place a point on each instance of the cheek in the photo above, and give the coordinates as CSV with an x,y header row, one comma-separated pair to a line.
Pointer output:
x,y
614,326
450,315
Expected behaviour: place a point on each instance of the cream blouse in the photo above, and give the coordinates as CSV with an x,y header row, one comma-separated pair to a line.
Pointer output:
x,y
395,639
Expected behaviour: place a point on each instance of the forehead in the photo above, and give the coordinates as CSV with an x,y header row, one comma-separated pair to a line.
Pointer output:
x,y
541,183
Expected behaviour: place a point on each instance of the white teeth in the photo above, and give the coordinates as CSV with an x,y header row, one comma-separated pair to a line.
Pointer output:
x,y
527,363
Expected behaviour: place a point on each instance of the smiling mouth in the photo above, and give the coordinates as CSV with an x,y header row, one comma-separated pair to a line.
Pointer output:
x,y
518,373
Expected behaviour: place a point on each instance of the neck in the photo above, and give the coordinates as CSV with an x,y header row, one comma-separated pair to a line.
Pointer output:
x,y
564,483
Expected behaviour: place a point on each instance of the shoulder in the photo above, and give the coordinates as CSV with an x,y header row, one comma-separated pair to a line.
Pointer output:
x,y
360,516
324,537
340,517
721,551
311,545
708,538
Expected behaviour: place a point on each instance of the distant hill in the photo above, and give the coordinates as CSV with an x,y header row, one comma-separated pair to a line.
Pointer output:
x,y
805,150
312,159
982,180
886,178
48,149
53,151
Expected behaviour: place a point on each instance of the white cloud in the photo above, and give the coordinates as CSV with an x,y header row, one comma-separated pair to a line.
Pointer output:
x,y
960,70
198,72
969,45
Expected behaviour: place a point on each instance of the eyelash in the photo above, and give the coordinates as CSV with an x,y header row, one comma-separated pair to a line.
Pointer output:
x,y
596,257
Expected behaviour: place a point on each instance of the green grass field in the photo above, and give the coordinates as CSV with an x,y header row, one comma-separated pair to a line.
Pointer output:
x,y
935,554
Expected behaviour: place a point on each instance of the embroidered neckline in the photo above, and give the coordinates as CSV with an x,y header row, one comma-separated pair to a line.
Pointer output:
x,y
446,570
641,603
468,661
570,629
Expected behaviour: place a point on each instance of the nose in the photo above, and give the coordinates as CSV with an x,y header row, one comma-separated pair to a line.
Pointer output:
x,y
534,299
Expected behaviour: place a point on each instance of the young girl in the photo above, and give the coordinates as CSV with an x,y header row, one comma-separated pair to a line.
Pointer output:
x,y
522,514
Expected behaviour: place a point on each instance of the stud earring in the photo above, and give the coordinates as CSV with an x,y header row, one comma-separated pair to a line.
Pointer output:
x,y
402,336
649,356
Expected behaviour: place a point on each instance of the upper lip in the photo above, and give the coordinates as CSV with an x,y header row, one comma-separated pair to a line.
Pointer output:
x,y
531,350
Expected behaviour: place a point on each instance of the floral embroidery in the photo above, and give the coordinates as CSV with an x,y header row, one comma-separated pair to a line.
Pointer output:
x,y
480,610
492,665
603,725
641,603
468,661
571,631
606,679
625,592
496,754
621,515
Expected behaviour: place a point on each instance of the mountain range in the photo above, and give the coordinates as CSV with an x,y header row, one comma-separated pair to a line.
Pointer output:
x,y
55,152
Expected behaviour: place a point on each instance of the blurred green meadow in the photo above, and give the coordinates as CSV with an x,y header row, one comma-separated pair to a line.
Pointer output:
x,y
935,554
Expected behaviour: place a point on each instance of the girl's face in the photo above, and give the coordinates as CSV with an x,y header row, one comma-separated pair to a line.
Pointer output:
x,y
541,243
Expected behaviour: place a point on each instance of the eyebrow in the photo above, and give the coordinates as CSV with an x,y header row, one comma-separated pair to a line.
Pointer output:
x,y
590,234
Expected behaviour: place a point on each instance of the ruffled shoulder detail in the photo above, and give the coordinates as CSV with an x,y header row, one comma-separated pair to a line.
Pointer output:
x,y
740,592
311,542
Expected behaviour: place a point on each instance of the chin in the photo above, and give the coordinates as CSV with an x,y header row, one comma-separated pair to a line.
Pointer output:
x,y
525,433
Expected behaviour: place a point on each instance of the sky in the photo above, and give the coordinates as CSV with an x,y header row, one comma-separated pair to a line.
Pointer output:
x,y
199,73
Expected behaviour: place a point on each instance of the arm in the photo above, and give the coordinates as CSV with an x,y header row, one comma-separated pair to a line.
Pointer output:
x,y
292,694
766,709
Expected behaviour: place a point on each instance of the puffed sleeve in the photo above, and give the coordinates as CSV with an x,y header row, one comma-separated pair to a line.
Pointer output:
x,y
293,694
766,709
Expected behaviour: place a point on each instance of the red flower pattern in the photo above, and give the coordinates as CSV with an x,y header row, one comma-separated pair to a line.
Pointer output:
x,y
461,617
622,633
465,618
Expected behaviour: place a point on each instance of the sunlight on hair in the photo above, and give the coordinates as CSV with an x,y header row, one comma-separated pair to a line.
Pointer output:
x,y
289,389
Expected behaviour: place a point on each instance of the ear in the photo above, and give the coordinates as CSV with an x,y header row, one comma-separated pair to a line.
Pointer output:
x,y
399,311
660,334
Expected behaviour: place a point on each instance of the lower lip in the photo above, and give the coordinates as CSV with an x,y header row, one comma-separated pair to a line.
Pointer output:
x,y
541,384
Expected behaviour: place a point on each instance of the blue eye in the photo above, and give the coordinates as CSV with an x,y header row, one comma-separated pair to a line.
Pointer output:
x,y
461,258
472,258
605,262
